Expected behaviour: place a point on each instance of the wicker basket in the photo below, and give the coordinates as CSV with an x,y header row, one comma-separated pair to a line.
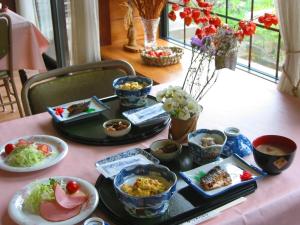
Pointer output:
x,y
173,58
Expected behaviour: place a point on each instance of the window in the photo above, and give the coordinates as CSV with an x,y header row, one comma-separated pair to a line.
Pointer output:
x,y
261,54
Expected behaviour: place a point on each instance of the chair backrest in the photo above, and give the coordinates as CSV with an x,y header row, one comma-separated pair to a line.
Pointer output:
x,y
5,37
72,83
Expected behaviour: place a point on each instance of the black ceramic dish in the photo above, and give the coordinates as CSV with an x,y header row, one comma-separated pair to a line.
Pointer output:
x,y
270,163
184,205
90,131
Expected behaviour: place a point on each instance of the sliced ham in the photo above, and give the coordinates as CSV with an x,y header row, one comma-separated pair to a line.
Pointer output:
x,y
52,211
69,201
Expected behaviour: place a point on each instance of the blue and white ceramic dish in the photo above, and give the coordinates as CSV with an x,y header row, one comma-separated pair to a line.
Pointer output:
x,y
236,143
60,113
145,207
133,98
234,165
112,165
205,154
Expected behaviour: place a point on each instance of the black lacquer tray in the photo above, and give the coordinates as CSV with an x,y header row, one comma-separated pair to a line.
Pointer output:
x,y
90,130
184,205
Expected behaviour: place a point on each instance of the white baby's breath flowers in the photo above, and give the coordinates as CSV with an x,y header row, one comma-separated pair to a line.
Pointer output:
x,y
178,103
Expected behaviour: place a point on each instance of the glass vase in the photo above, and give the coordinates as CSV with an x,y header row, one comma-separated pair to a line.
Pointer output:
x,y
150,32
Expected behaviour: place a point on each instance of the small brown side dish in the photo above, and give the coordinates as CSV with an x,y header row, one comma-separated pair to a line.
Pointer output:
x,y
116,125
168,148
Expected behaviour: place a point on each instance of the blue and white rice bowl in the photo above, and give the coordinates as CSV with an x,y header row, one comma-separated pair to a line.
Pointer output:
x,y
145,207
132,98
202,155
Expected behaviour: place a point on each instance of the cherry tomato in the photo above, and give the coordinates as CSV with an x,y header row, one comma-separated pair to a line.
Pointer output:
x,y
9,148
72,187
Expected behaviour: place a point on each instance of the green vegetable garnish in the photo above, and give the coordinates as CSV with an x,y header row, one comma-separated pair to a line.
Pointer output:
x,y
200,175
40,192
25,156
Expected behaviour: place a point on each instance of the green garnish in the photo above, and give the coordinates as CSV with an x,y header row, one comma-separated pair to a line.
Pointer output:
x,y
199,176
41,192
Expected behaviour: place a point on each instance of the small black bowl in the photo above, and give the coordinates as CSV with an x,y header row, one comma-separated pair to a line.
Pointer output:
x,y
270,160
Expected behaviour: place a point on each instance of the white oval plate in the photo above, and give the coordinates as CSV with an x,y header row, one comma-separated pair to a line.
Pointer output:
x,y
58,147
15,208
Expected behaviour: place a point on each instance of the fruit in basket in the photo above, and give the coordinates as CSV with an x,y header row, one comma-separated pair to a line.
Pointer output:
x,y
159,53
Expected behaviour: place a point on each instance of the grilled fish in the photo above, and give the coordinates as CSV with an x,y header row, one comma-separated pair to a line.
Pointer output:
x,y
78,108
215,178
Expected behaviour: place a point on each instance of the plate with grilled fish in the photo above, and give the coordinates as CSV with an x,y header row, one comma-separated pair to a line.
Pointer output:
x,y
220,176
77,110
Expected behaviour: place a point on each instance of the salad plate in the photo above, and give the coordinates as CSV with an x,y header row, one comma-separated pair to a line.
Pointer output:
x,y
56,150
18,213
234,166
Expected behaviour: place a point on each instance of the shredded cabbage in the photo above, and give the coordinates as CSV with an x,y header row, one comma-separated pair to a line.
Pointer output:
x,y
25,156
41,192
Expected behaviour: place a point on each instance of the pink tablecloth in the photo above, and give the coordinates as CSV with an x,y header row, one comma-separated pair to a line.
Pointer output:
x,y
257,109
28,45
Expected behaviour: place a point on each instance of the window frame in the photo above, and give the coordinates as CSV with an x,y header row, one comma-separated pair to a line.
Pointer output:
x,y
164,34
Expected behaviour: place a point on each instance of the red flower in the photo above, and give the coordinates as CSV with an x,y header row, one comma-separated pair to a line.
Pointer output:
x,y
261,19
239,35
187,10
203,19
175,7
242,24
216,21
268,20
195,13
182,15
188,20
207,11
210,29
199,33
203,4
172,15
186,1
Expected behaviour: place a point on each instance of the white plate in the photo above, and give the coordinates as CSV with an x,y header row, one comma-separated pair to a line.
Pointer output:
x,y
234,165
59,151
16,212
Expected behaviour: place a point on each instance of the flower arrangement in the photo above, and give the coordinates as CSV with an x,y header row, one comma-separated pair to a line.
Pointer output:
x,y
178,103
224,39
214,45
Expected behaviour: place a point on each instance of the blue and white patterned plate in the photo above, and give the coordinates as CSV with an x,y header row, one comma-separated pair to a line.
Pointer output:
x,y
112,165
96,106
234,165
16,212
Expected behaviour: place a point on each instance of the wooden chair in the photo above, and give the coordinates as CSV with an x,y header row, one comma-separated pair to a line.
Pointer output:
x,y
72,83
7,75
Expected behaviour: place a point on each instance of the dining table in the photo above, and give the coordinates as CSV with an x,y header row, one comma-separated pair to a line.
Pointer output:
x,y
253,105
28,45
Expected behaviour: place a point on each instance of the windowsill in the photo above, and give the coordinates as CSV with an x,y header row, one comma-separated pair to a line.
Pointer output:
x,y
175,73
